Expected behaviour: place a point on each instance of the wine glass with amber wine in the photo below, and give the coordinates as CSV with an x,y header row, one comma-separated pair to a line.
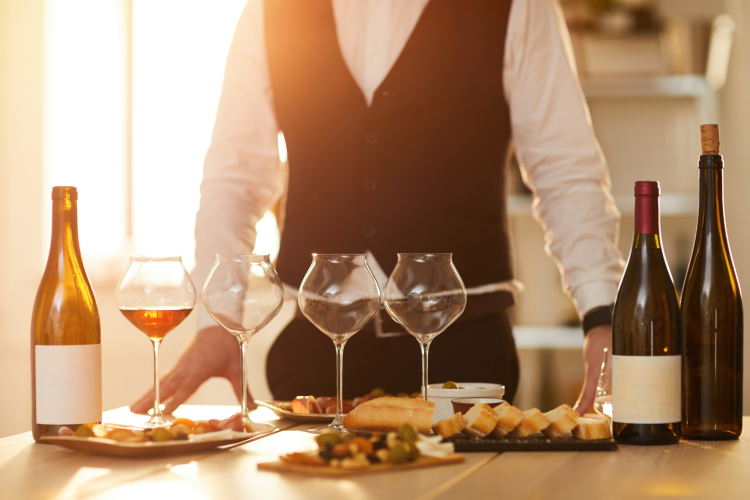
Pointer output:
x,y
339,295
425,294
243,294
156,294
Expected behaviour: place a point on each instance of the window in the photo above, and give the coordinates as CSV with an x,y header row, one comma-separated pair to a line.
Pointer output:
x,y
134,142
85,117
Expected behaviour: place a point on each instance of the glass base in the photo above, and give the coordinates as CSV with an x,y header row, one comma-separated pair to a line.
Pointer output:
x,y
156,421
251,426
332,427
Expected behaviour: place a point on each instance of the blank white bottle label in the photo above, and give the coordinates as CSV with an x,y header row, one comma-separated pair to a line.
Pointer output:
x,y
68,384
646,389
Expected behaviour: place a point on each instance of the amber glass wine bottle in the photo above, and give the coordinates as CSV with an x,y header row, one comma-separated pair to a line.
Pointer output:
x,y
646,343
66,378
712,313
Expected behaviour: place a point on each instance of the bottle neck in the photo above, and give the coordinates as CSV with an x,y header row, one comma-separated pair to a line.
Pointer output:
x,y
647,214
64,226
711,208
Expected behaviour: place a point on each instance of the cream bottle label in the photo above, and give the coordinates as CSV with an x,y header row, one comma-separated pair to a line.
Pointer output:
x,y
646,389
68,384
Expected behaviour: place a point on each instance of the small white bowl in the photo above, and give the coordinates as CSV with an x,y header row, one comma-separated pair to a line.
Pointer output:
x,y
442,397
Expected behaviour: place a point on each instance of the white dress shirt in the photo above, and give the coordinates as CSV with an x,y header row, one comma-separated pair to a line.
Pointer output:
x,y
551,128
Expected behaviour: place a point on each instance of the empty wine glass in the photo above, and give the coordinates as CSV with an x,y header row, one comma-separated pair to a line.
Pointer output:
x,y
243,294
156,295
339,295
603,398
425,294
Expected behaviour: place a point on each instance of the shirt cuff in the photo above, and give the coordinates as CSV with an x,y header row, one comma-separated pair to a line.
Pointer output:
x,y
594,294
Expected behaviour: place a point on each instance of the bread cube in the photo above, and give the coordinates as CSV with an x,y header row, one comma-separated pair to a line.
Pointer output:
x,y
533,421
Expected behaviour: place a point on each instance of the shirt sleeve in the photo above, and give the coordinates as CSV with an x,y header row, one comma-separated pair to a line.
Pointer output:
x,y
242,176
560,158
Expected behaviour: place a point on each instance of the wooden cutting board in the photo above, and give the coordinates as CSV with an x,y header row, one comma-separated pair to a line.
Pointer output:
x,y
325,471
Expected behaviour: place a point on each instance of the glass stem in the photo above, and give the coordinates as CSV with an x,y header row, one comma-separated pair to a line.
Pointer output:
x,y
339,383
243,354
157,407
425,351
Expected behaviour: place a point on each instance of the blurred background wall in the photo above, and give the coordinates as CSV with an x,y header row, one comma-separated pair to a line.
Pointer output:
x,y
118,98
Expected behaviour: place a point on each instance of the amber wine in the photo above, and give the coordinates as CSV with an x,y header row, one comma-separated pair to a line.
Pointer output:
x,y
156,324
646,361
66,378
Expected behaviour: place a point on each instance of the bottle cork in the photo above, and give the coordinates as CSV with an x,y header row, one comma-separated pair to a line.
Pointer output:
x,y
710,139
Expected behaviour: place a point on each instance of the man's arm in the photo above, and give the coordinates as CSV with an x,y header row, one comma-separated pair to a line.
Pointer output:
x,y
242,179
563,165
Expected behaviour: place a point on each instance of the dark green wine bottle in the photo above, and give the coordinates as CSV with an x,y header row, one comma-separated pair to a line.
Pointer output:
x,y
646,337
712,313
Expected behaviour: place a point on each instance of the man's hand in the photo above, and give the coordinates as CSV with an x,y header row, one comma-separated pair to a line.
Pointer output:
x,y
597,339
214,352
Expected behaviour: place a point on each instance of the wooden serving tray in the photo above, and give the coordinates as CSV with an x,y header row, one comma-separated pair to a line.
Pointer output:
x,y
325,471
535,442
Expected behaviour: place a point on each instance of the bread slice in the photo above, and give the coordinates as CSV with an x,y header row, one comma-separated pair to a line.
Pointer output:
x,y
562,420
533,421
450,426
508,417
480,420
387,414
592,428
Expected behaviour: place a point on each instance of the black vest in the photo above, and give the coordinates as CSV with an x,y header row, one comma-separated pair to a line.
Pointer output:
x,y
422,169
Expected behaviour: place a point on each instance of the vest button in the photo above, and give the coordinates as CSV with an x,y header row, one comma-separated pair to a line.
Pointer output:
x,y
368,231
370,185
371,138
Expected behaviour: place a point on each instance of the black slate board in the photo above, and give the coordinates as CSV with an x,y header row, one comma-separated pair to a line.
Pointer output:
x,y
536,442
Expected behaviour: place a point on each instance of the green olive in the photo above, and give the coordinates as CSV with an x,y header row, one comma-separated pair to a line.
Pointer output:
x,y
84,431
399,454
378,392
328,438
407,433
416,394
412,450
160,434
450,385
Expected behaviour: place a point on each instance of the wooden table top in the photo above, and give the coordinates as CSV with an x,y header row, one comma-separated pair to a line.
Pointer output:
x,y
690,469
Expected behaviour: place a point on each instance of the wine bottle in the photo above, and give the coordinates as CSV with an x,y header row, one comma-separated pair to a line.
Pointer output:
x,y
646,342
66,378
712,313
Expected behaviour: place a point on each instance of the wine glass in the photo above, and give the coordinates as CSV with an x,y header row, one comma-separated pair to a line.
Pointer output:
x,y
155,294
339,295
425,294
603,398
243,294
